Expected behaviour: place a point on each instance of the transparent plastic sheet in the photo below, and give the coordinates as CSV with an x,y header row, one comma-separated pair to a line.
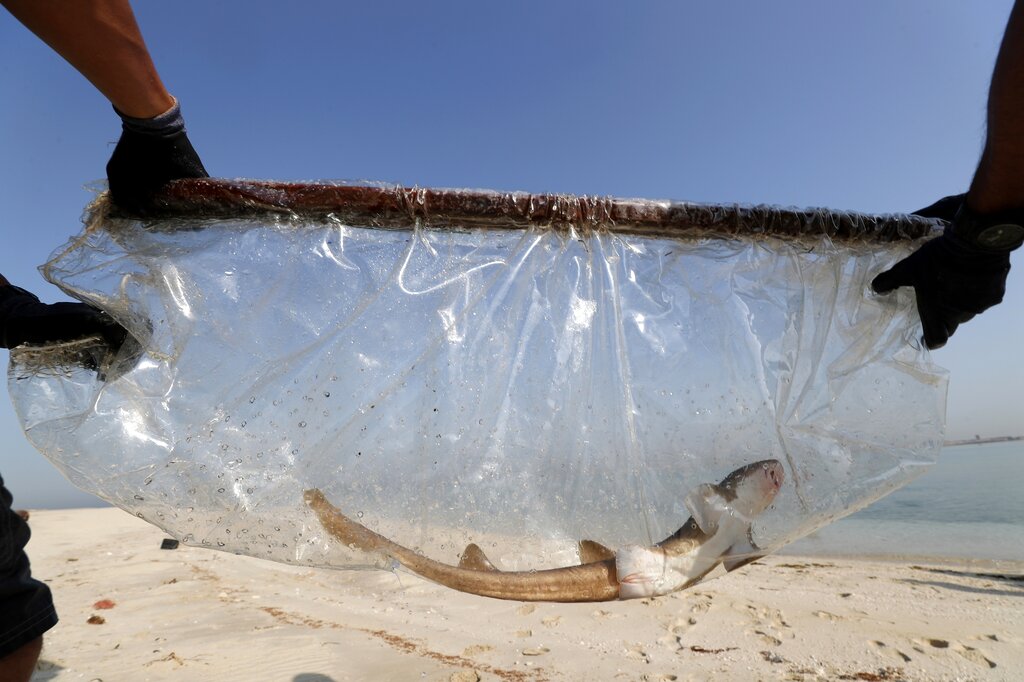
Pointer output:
x,y
446,383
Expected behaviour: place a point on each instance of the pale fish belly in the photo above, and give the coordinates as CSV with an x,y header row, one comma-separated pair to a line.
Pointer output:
x,y
655,571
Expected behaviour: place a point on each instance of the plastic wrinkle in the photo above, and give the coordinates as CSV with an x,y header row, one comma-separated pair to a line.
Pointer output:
x,y
452,367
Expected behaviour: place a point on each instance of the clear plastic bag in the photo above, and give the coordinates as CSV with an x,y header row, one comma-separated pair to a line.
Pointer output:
x,y
447,383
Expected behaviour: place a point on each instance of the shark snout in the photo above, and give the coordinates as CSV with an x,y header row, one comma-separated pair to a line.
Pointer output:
x,y
773,472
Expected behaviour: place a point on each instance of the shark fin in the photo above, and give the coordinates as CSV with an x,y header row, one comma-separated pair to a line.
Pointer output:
x,y
592,552
706,505
741,553
474,559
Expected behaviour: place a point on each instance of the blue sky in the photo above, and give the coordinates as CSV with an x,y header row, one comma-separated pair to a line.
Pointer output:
x,y
869,106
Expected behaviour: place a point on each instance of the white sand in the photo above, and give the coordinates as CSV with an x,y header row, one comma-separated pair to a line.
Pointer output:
x,y
192,614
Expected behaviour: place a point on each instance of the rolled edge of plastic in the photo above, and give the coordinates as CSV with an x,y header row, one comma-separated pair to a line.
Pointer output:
x,y
396,206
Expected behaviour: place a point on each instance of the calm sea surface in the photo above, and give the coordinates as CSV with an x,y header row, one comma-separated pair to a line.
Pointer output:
x,y
969,505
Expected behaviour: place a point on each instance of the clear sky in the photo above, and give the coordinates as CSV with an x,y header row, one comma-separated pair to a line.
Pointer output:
x,y
872,106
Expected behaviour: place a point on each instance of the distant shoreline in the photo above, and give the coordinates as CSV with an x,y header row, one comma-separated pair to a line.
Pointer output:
x,y
981,441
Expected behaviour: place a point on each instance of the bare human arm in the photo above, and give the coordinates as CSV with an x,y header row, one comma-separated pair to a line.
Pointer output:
x,y
101,39
999,181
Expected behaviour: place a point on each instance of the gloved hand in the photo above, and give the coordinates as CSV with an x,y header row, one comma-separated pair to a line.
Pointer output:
x,y
952,279
150,153
945,208
23,319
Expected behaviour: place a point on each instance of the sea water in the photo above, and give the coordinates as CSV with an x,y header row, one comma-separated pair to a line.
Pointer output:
x,y
970,504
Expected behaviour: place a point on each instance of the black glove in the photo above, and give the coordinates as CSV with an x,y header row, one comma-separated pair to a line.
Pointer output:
x,y
23,319
953,279
150,153
945,208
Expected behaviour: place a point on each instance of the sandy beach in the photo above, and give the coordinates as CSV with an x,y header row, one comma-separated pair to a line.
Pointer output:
x,y
132,611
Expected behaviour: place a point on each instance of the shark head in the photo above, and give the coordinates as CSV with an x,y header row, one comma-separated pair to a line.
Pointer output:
x,y
752,488
723,514
741,496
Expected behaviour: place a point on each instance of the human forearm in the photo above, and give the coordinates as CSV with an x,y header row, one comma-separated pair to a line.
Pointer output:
x,y
999,181
101,39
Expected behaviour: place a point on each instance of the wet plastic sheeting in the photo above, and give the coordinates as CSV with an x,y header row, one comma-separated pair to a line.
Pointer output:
x,y
521,389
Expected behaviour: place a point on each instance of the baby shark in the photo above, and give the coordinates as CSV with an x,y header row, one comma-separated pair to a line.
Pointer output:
x,y
717,532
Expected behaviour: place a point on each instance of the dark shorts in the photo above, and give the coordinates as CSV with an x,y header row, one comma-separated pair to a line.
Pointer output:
x,y
26,607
